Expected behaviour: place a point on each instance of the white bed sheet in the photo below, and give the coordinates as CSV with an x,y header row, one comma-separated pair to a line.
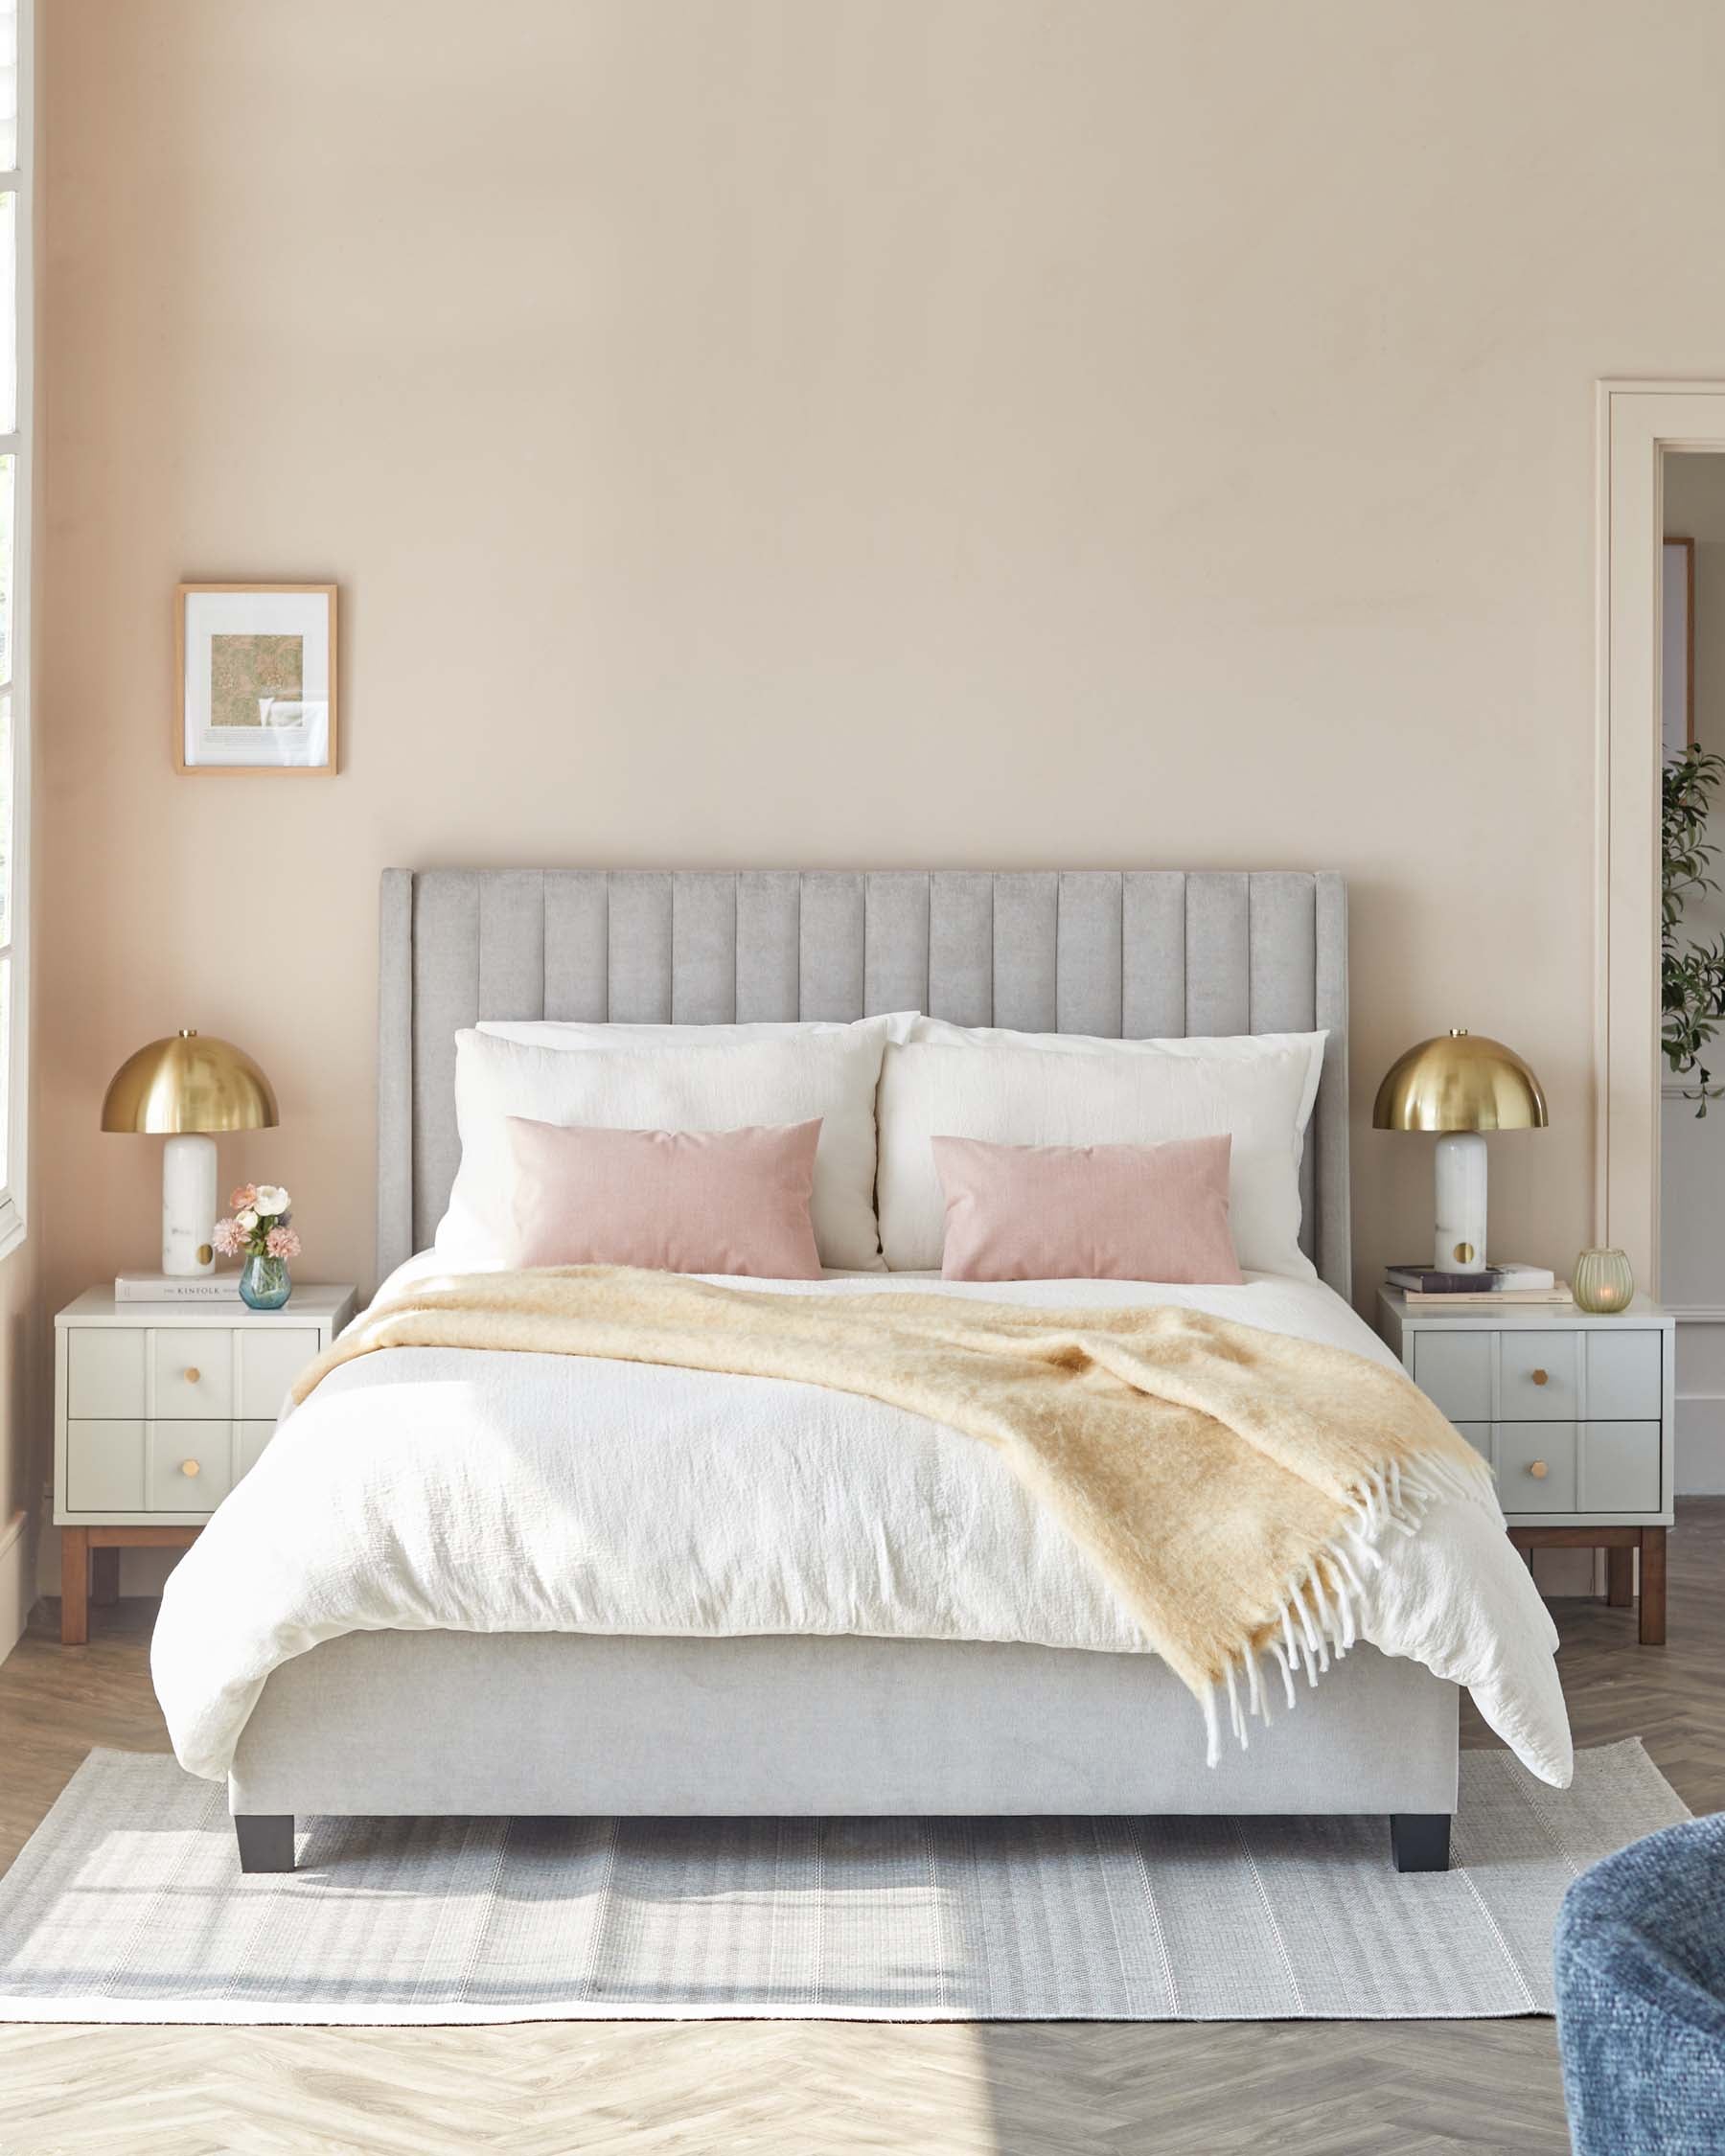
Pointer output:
x,y
475,1491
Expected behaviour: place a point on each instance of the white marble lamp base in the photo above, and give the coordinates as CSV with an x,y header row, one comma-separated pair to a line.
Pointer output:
x,y
1460,1245
188,1205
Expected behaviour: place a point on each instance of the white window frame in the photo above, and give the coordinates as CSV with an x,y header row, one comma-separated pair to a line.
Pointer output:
x,y
20,445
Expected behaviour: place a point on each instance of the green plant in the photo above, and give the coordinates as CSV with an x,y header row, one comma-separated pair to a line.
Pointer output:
x,y
1691,975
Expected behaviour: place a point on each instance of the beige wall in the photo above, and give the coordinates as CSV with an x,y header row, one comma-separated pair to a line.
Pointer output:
x,y
822,433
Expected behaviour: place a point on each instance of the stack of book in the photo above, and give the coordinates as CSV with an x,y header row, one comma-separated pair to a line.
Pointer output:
x,y
1422,1285
174,1287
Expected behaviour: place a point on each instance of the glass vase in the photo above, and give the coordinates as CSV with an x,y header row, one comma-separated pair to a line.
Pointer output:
x,y
1604,1283
264,1282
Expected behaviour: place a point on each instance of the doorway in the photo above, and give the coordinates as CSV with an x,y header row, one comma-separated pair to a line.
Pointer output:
x,y
1653,438
1691,1118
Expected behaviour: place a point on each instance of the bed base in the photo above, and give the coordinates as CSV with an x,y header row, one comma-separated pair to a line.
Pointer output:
x,y
449,1724
1419,1840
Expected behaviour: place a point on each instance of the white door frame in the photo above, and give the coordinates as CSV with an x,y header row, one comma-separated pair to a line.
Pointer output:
x,y
1639,423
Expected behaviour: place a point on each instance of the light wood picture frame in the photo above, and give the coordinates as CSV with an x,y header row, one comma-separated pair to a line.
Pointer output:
x,y
254,680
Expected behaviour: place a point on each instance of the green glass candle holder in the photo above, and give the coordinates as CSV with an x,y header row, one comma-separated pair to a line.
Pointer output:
x,y
1604,1283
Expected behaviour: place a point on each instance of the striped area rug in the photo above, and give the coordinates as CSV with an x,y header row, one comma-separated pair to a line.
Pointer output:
x,y
127,1905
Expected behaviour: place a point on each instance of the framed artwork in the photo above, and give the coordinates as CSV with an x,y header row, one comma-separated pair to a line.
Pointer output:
x,y
1677,647
255,679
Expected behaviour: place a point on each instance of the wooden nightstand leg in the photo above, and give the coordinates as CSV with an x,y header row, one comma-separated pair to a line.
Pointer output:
x,y
1620,1578
104,1578
1654,1587
74,1586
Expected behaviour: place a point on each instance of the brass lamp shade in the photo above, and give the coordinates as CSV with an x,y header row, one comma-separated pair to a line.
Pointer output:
x,y
1459,1081
189,1082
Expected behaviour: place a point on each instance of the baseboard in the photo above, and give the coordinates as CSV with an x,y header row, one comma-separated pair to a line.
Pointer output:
x,y
17,1586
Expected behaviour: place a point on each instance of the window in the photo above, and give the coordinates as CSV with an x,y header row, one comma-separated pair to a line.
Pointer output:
x,y
16,255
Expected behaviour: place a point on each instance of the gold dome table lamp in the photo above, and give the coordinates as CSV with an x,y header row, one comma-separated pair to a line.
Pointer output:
x,y
181,1089
1460,1085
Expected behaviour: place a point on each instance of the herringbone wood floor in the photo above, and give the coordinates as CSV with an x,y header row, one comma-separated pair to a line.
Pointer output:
x,y
807,2089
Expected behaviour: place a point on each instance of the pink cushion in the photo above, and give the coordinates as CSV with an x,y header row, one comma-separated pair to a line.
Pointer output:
x,y
675,1201
1087,1212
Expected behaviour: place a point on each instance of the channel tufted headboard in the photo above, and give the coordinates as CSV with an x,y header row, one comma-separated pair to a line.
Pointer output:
x,y
1120,952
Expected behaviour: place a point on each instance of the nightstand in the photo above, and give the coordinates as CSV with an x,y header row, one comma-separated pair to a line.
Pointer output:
x,y
159,1409
1575,1415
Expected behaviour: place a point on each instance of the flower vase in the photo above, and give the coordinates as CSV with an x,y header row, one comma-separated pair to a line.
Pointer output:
x,y
264,1282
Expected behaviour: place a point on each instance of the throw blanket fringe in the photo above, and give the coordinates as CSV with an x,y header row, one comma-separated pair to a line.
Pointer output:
x,y
1322,1600
1235,1486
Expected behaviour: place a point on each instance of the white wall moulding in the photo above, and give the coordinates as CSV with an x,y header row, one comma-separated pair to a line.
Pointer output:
x,y
1640,423
1691,1178
17,1593
1700,1446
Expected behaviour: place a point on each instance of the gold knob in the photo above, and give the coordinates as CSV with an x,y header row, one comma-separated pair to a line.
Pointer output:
x,y
190,1467
1539,1471
192,1377
1540,1377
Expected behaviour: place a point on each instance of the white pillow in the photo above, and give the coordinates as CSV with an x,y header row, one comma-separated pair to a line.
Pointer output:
x,y
832,1074
1066,1089
1246,1047
585,1033
1206,1047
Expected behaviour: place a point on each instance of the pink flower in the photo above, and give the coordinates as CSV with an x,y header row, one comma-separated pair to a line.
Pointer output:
x,y
244,1198
282,1243
227,1238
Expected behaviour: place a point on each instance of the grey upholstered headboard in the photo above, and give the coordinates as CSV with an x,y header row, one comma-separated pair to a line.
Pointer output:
x,y
1134,953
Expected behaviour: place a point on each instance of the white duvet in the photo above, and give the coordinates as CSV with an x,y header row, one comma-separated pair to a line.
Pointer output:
x,y
462,1490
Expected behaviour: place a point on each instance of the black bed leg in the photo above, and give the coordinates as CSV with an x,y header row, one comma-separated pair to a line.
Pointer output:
x,y
1419,1840
266,1841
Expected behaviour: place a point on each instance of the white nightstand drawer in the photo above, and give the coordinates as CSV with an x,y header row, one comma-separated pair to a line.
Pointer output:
x,y
1536,1466
1454,1370
136,1466
109,1370
1538,1377
1619,1467
188,1466
194,1372
270,1358
105,1466
1624,1376
1478,1436
105,1373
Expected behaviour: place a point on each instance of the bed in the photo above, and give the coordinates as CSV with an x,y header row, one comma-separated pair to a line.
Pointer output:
x,y
365,1715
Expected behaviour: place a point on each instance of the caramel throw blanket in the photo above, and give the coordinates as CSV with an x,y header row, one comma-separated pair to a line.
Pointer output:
x,y
1233,1485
